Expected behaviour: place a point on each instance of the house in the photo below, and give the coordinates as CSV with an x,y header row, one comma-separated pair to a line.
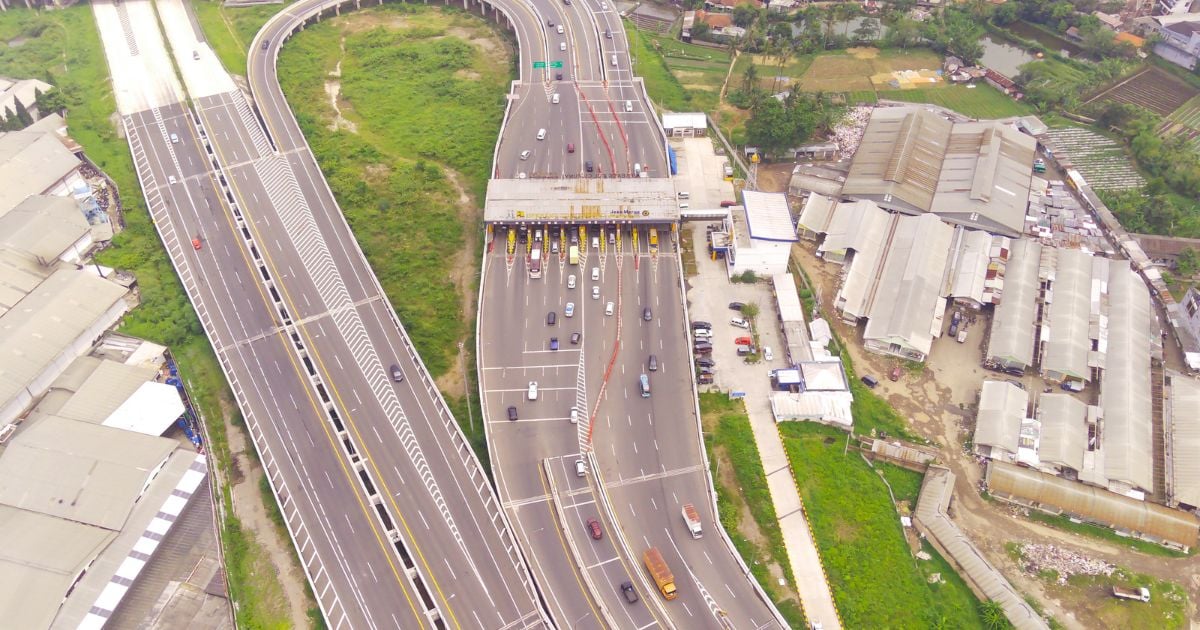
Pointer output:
x,y
782,6
726,6
1179,39
1174,7
1001,82
720,25
1073,34
1113,22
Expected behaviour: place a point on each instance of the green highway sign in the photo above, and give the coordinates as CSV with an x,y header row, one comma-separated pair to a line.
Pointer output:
x,y
555,64
539,64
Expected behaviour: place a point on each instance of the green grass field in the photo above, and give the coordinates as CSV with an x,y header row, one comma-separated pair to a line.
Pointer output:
x,y
229,30
876,581
63,47
728,434
679,76
981,101
424,90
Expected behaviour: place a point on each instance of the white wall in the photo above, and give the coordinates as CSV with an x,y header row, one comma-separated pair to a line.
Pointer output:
x,y
765,258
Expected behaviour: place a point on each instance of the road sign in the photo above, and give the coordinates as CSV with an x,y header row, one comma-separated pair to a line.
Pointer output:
x,y
539,64
555,64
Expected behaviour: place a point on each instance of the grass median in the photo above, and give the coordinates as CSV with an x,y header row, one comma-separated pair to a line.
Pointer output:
x,y
63,48
402,105
229,30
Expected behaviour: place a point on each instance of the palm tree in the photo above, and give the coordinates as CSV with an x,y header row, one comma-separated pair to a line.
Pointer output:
x,y
783,52
750,77
993,615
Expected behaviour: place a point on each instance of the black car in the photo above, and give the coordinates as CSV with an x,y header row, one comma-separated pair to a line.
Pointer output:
x,y
588,166
512,413
575,338
551,318
737,306
628,592
706,362
652,364
549,22
647,314
558,76
397,375
699,324
266,44
704,379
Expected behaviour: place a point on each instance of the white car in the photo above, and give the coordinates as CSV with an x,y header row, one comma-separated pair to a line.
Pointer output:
x,y
570,310
571,281
595,293
574,415
532,390
525,154
702,333
554,99
740,323
608,308
767,354
562,45
560,29
595,273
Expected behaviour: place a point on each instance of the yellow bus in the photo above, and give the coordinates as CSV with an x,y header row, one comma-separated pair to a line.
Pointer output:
x,y
653,237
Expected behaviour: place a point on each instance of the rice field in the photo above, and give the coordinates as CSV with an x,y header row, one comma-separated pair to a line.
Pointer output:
x,y
1101,160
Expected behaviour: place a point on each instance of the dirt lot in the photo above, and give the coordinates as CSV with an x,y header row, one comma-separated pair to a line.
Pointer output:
x,y
939,402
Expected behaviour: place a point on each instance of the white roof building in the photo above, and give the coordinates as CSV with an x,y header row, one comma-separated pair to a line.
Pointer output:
x,y
34,163
685,124
1125,386
971,258
816,215
1002,407
1066,333
791,318
26,90
1184,407
859,230
1064,431
906,311
1011,342
46,229
763,234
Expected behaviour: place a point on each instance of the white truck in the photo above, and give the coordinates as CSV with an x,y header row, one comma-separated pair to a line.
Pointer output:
x,y
1139,594
691,518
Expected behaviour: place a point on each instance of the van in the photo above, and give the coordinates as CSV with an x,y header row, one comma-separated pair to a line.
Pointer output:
x,y
562,45
869,381
614,61
595,270
541,134
608,309
684,206
554,98
644,381
628,106
683,194
580,468
571,281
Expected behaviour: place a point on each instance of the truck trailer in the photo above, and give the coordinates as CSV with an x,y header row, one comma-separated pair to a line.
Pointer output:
x,y
660,573
691,518
1139,594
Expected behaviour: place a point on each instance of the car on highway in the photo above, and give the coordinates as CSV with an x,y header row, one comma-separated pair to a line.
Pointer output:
x,y
696,325
608,308
525,154
570,147
737,306
593,526
554,343
174,139
740,323
549,22
266,44
569,311
397,375
647,314
628,591
595,293
553,247
560,29
607,33
562,45
580,467
575,338
541,134
532,390
512,414
196,244
652,364
588,166
595,270
554,98
558,76
628,106
574,415
171,179
571,281
551,318
196,55
522,175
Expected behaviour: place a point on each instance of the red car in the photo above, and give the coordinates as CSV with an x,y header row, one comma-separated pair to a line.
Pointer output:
x,y
594,528
743,341
570,147
726,204
196,243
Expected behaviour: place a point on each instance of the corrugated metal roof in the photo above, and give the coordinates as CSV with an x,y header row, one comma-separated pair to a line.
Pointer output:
x,y
862,227
30,163
18,276
1012,327
48,320
1067,334
908,293
900,156
79,471
768,217
817,213
104,390
1092,503
43,227
1002,407
790,308
971,265
1064,430
932,505
1125,387
693,120
1185,436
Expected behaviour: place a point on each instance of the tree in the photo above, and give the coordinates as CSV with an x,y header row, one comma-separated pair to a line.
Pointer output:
x,y
867,29
22,114
750,77
52,101
1187,263
768,126
744,15
993,615
750,311
903,33
1006,14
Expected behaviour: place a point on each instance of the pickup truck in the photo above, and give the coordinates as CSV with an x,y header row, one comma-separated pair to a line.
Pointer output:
x,y
1140,594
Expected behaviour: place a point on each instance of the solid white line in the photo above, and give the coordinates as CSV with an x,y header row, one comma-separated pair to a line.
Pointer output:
x,y
600,564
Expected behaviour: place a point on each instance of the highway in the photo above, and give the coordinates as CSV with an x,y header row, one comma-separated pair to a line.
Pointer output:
x,y
393,516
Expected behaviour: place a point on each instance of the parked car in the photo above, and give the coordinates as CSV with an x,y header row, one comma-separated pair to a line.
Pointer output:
x,y
512,414
594,529
895,375
740,323
532,394
575,338
869,381
696,325
554,343
767,354
706,362
737,306
727,203
702,333
704,379
743,341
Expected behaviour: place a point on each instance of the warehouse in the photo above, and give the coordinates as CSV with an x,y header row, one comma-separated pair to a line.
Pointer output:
x,y
1010,346
763,234
34,163
1125,385
1184,413
975,174
1064,430
47,229
1065,356
1002,407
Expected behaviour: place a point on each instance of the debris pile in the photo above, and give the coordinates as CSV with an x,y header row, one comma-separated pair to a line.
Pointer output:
x,y
1036,558
850,131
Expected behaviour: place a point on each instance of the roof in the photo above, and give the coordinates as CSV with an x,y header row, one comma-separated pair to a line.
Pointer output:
x,y
932,514
151,410
1157,246
1012,326
43,227
1131,39
817,213
1067,342
863,228
101,390
974,173
592,200
971,265
19,275
1002,407
908,292
79,471
768,217
1185,436
828,407
1094,504
1064,430
1125,388
24,89
47,321
692,120
825,375
788,299
1184,28
31,162
715,20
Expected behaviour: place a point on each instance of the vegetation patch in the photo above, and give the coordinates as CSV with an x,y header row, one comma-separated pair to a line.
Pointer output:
x,y
981,101
876,580
665,63
424,88
229,30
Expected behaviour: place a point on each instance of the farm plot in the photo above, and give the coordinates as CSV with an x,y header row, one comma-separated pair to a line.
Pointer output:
x,y
1184,121
1150,88
1101,160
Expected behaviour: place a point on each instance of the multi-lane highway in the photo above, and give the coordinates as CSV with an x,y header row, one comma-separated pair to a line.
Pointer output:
x,y
393,517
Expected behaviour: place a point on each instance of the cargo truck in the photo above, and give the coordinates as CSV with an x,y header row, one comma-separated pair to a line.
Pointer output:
x,y
535,261
658,570
1140,594
692,519
573,254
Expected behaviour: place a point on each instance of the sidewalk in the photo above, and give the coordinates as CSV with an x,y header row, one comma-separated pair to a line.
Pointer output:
x,y
709,296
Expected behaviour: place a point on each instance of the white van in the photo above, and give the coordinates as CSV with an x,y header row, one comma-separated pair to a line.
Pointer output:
x,y
541,134
683,206
562,45
554,99
628,106
580,468
614,61
595,273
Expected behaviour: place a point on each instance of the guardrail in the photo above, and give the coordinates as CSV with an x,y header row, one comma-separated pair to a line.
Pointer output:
x,y
579,562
